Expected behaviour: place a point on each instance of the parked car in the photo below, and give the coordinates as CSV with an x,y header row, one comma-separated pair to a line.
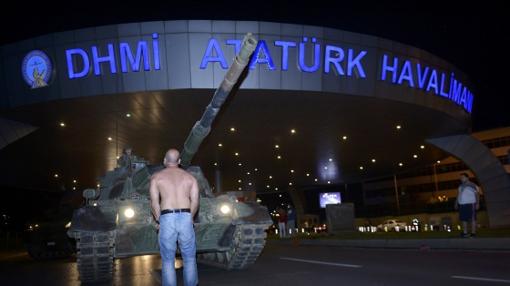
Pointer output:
x,y
392,225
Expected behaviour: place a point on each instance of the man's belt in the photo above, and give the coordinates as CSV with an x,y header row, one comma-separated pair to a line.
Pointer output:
x,y
171,211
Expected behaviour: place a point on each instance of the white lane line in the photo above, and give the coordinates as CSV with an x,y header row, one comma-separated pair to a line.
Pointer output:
x,y
321,262
482,279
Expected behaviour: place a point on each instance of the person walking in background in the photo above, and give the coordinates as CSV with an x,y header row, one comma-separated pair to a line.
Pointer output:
x,y
468,202
282,223
291,221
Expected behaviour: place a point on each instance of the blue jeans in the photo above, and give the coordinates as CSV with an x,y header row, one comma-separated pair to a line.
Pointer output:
x,y
172,228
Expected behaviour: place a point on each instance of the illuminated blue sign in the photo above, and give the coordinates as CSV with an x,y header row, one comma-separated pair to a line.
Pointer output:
x,y
79,61
333,59
36,69
311,57
428,79
347,62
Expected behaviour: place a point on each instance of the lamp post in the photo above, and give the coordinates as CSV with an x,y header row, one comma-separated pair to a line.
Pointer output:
x,y
436,189
396,193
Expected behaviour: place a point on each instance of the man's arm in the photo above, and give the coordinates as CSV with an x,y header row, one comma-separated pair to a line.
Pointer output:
x,y
194,197
155,199
457,199
477,194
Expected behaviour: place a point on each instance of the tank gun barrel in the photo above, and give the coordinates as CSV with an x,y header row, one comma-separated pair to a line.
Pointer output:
x,y
202,127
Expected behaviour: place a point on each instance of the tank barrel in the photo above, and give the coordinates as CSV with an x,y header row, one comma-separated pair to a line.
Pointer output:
x,y
202,127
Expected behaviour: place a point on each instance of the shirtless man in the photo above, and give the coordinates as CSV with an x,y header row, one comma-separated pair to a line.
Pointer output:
x,y
174,201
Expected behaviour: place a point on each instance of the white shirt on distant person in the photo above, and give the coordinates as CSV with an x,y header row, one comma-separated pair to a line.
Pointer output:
x,y
467,193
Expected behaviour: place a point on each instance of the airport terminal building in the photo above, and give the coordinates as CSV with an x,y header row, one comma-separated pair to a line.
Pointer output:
x,y
318,107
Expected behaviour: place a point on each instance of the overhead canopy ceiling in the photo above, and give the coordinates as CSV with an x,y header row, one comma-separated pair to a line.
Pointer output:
x,y
152,122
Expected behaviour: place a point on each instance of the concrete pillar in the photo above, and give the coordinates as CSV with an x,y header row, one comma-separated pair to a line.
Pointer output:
x,y
491,174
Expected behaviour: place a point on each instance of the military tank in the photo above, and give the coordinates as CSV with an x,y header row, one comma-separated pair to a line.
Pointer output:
x,y
116,220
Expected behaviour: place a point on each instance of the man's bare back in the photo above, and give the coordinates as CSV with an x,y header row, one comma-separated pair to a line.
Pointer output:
x,y
173,188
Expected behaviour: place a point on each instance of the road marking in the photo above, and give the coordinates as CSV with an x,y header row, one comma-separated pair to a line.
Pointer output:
x,y
321,262
482,279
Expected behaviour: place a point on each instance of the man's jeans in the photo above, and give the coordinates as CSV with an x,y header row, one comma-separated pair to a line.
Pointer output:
x,y
178,227
282,229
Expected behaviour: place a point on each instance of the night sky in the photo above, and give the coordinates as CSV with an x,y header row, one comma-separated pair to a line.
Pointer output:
x,y
467,35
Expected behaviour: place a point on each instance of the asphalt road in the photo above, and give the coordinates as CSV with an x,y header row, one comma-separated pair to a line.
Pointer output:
x,y
292,265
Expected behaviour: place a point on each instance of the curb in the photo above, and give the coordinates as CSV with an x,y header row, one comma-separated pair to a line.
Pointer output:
x,y
422,244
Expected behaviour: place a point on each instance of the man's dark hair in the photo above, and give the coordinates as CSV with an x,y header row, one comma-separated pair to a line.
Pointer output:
x,y
465,175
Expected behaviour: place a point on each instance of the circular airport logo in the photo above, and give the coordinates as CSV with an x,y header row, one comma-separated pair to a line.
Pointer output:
x,y
36,69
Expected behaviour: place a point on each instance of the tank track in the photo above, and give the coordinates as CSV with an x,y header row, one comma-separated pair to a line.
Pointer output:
x,y
38,254
248,242
95,251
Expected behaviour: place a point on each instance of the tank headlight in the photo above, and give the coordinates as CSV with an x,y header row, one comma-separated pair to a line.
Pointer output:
x,y
68,225
129,213
225,209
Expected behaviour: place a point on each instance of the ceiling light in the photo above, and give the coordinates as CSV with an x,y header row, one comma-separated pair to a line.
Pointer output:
x,y
308,174
439,162
270,177
401,164
249,184
399,127
232,129
280,195
276,189
268,186
248,173
128,114
329,182
415,156
315,179
239,181
215,164
236,154
239,164
256,170
240,189
56,175
293,131
422,146
325,168
278,157
62,124
109,138
361,167
373,160
276,146
292,171
220,145
290,184
344,137
74,181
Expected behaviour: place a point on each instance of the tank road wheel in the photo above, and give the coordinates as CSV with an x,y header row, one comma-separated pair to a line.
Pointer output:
x,y
95,255
247,244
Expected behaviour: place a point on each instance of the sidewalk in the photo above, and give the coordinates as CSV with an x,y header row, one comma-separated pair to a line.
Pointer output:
x,y
486,244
